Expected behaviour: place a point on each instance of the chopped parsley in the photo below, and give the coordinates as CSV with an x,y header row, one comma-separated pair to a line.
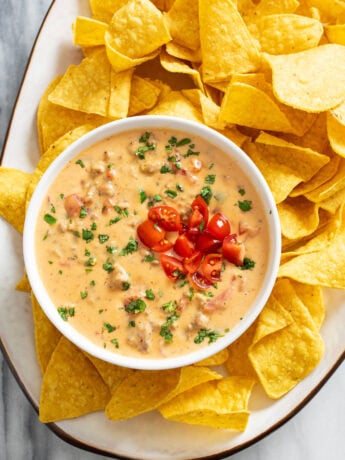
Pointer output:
x,y
245,205
189,153
80,163
135,306
51,220
206,193
170,193
149,294
111,249
130,247
103,238
248,264
142,196
66,312
203,334
83,294
210,179
108,327
115,220
94,226
125,285
108,267
131,323
115,342
170,307
90,262
87,235
166,169
241,191
165,331
83,212
142,149
149,258
121,211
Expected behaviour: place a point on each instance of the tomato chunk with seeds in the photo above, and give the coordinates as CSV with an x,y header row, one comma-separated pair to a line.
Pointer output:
x,y
172,267
219,226
183,246
232,250
191,264
150,233
207,243
211,267
166,216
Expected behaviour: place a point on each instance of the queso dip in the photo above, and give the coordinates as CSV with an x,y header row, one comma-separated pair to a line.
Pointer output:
x,y
152,244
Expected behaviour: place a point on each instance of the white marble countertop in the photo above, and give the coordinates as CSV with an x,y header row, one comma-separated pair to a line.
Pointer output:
x,y
317,432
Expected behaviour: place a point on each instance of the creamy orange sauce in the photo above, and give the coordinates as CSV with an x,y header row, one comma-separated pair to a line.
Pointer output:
x,y
93,263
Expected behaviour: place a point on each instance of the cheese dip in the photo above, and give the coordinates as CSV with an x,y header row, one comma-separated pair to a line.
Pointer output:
x,y
152,243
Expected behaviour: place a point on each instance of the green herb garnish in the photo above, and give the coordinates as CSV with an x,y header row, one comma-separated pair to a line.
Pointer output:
x,y
248,264
51,220
203,334
245,205
135,306
130,247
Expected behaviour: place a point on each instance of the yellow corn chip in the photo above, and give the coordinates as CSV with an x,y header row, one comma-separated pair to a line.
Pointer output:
x,y
221,404
234,52
311,80
238,362
85,87
215,360
120,90
112,375
46,335
329,188
23,284
335,33
53,121
88,32
143,391
283,359
137,29
183,23
312,298
13,188
71,385
287,33
181,52
176,105
336,133
103,10
298,217
144,95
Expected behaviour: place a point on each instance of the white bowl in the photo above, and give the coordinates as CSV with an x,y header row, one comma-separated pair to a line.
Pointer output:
x,y
147,123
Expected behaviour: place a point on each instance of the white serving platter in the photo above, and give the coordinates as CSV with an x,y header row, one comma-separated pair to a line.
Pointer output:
x,y
148,436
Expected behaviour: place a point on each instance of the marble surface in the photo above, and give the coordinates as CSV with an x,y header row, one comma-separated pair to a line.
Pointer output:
x,y
315,433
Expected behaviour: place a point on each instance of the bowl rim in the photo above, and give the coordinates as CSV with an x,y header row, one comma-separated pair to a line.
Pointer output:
x,y
112,129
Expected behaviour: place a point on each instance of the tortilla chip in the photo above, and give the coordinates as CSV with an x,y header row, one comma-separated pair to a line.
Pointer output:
x,y
234,52
13,188
176,105
144,95
312,298
103,10
238,362
272,319
85,87
298,217
143,391
180,52
329,188
120,90
336,134
284,165
283,359
112,375
23,284
221,404
51,154
137,29
46,335
287,33
237,108
183,23
333,203
311,80
88,32
53,121
215,360
71,385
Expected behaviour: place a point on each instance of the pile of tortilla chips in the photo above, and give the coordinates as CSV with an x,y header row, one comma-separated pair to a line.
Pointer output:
x,y
269,75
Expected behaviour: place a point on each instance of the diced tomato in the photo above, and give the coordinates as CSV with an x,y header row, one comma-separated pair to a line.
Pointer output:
x,y
211,267
166,216
172,267
205,243
219,226
191,264
200,204
200,282
183,246
150,233
162,246
195,220
232,250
